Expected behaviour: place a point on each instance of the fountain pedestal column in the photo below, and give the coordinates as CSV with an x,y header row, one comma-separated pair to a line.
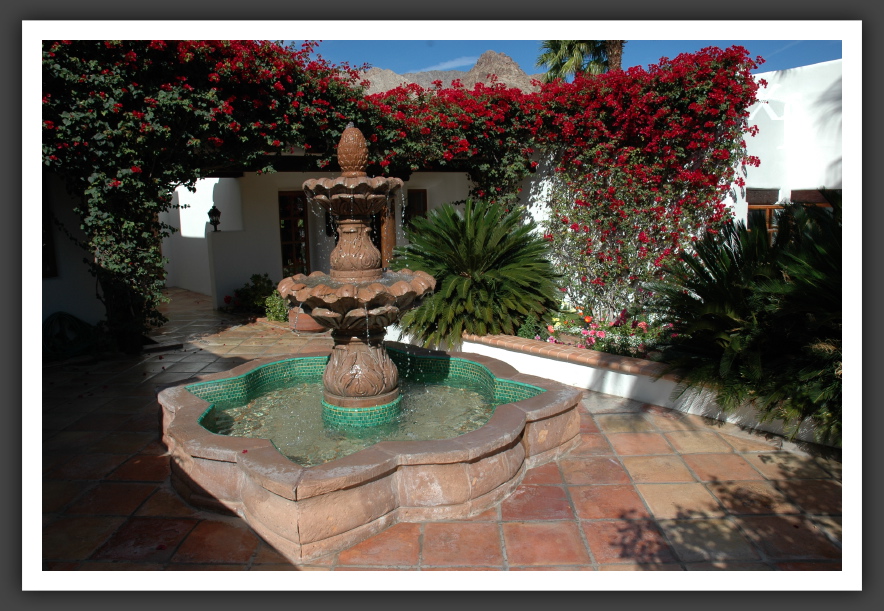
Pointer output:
x,y
357,300
360,373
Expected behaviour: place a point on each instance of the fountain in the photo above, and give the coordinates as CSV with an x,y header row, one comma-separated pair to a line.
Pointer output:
x,y
307,510
358,300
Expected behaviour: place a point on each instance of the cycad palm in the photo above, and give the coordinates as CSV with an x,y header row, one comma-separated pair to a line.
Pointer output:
x,y
564,58
760,322
492,273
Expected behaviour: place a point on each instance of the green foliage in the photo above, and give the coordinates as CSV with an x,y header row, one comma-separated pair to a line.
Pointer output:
x,y
759,321
565,58
252,297
532,328
276,308
492,273
127,122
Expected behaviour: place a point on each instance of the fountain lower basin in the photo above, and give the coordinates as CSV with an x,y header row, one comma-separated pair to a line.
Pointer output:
x,y
305,512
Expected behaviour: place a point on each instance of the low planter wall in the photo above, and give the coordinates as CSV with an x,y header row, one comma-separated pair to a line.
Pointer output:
x,y
620,376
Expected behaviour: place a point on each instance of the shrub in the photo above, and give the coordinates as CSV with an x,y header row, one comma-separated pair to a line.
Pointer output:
x,y
276,308
251,298
759,321
492,273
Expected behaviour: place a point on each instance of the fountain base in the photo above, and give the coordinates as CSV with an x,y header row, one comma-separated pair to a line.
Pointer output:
x,y
339,416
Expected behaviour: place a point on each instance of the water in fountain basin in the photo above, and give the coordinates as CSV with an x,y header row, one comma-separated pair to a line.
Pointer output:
x,y
292,419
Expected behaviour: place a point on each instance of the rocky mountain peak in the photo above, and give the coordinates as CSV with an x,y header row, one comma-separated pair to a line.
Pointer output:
x,y
503,66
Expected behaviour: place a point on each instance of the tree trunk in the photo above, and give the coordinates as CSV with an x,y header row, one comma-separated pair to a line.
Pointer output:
x,y
614,51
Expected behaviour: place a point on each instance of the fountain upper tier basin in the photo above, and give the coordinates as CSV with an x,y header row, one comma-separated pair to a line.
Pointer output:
x,y
349,196
338,304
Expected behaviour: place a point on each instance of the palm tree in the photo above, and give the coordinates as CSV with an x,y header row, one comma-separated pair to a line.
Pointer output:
x,y
493,272
564,58
759,321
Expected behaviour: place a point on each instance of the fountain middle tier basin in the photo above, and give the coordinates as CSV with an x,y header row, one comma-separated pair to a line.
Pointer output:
x,y
338,304
309,511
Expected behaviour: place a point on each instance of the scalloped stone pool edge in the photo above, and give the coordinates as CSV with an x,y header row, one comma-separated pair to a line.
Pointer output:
x,y
306,512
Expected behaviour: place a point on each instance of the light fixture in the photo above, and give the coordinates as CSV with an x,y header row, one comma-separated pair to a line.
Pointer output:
x,y
214,217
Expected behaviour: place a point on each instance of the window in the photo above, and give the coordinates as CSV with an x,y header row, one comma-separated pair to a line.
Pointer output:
x,y
293,233
416,205
763,209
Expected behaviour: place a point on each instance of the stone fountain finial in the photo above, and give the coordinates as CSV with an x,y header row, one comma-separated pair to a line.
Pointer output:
x,y
352,152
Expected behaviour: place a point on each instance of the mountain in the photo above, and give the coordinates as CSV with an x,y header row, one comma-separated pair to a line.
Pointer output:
x,y
507,71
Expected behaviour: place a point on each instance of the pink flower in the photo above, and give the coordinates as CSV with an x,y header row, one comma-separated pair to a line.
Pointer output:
x,y
550,329
600,334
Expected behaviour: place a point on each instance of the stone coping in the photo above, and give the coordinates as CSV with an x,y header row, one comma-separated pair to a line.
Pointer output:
x,y
578,356
309,511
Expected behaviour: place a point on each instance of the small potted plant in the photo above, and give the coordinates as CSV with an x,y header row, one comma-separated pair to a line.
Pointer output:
x,y
301,322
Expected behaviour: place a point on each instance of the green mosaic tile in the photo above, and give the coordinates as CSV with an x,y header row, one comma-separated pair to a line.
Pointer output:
x,y
456,372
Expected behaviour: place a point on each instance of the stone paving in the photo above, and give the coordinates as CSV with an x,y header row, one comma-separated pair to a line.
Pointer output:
x,y
647,488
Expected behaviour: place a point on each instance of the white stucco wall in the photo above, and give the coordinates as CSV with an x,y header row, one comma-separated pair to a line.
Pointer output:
x,y
799,141
248,241
74,289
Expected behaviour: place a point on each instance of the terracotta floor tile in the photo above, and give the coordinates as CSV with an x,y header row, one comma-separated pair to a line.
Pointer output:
x,y
122,442
99,422
752,497
564,567
533,502
58,493
728,566
697,441
587,424
111,498
809,566
710,540
638,541
267,554
673,421
143,468
788,538
830,526
592,444
544,544
217,542
624,423
166,503
635,566
544,474
672,501
787,466
721,467
76,538
636,444
608,502
461,544
657,469
145,540
205,567
119,566
286,567
754,444
87,466
593,470
398,545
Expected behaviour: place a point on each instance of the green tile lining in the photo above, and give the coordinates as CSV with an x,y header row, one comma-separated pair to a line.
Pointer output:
x,y
451,371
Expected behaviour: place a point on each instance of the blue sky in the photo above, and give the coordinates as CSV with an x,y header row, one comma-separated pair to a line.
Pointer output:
x,y
403,56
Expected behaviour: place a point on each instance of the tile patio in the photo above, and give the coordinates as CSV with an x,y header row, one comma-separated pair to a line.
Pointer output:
x,y
646,489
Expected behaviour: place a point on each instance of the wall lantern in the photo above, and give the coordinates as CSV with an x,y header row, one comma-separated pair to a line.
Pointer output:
x,y
214,217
